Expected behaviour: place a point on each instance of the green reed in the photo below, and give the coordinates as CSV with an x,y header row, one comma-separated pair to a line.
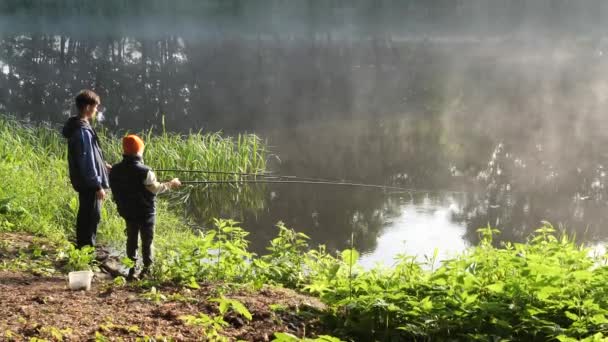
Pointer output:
x,y
34,169
198,151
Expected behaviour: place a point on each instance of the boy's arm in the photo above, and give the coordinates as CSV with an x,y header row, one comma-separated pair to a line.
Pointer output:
x,y
86,160
154,185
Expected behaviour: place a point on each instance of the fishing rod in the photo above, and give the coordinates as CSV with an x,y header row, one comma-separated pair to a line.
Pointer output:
x,y
270,178
263,174
266,175
348,184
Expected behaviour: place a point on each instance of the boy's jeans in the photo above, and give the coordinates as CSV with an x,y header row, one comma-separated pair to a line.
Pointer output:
x,y
87,220
145,228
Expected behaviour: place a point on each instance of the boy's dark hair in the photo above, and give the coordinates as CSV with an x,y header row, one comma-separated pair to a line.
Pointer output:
x,y
86,98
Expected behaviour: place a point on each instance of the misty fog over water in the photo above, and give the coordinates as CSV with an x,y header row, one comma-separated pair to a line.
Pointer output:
x,y
502,102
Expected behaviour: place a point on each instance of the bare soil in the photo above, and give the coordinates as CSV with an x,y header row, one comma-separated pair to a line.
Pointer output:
x,y
42,306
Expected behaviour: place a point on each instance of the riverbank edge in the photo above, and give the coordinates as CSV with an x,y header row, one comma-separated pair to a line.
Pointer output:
x,y
37,304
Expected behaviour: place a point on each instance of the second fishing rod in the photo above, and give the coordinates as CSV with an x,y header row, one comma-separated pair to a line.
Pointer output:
x,y
263,175
270,178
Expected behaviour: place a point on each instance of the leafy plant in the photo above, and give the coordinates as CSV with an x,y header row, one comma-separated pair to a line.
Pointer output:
x,y
286,337
547,288
99,337
119,281
284,264
211,326
127,262
55,333
217,254
154,295
154,339
9,213
226,304
230,250
80,259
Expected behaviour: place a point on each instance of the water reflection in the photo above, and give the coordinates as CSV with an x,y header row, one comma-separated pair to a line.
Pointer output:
x,y
204,203
520,191
598,249
419,229
519,125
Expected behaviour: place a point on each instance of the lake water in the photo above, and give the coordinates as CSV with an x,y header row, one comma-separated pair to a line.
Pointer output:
x,y
503,129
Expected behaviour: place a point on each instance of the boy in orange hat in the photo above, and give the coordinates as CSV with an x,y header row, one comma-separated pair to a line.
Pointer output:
x,y
134,189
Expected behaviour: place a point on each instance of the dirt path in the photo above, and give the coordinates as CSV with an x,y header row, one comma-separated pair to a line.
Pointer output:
x,y
42,306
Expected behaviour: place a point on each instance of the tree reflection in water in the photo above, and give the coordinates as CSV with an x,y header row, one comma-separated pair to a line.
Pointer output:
x,y
519,128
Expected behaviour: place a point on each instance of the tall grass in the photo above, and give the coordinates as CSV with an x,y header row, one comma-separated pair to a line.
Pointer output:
x,y
244,153
34,176
33,169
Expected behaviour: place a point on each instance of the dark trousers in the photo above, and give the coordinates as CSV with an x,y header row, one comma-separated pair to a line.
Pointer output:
x,y
87,221
145,228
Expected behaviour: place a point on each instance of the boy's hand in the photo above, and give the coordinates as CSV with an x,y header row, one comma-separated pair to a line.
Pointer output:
x,y
100,194
109,167
175,183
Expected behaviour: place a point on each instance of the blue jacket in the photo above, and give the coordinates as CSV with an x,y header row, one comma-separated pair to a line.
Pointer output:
x,y
87,167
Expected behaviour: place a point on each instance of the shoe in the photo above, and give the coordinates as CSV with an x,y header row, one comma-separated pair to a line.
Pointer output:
x,y
131,275
144,272
101,254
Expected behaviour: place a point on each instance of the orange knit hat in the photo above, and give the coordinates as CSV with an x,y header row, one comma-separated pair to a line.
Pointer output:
x,y
132,144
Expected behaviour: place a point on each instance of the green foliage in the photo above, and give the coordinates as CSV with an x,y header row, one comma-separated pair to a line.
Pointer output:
x,y
9,213
226,304
99,337
541,290
230,248
286,337
154,295
119,281
127,263
211,326
198,151
283,265
79,259
108,327
55,333
184,298
219,254
39,199
154,339
37,257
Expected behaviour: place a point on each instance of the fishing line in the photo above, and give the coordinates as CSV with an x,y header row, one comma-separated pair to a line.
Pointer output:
x,y
263,174
266,175
347,184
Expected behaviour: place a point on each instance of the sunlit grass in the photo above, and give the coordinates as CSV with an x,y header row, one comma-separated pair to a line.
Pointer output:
x,y
244,153
33,168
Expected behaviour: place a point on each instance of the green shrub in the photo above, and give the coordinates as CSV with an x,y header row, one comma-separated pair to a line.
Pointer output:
x,y
79,259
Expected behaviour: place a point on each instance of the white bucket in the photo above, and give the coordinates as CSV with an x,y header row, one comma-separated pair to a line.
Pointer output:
x,y
80,280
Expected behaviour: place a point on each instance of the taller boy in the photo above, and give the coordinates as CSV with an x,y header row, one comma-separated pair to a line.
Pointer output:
x,y
88,169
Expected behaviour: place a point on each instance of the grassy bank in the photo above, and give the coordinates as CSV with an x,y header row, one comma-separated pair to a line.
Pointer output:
x,y
38,197
547,289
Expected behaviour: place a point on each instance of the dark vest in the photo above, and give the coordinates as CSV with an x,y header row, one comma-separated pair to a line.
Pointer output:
x,y
133,200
